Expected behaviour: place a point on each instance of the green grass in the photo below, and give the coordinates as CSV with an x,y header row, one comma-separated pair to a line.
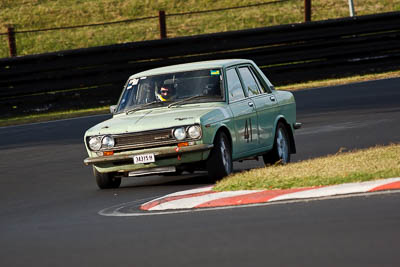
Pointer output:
x,y
340,81
59,115
356,166
38,14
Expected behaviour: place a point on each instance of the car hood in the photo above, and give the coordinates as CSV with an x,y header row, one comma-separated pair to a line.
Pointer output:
x,y
156,118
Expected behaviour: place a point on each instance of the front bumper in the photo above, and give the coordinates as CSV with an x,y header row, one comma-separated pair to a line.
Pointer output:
x,y
159,153
297,125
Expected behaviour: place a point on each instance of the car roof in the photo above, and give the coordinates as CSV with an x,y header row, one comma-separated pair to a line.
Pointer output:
x,y
217,64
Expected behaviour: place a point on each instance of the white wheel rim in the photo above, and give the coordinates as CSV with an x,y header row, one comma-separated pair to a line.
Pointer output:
x,y
283,150
225,156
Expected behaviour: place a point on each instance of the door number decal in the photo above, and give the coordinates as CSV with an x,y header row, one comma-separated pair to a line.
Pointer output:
x,y
248,131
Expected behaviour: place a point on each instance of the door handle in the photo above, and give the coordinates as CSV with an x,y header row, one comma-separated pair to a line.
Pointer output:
x,y
272,98
251,104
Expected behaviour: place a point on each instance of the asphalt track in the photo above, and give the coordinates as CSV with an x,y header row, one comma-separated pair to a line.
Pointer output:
x,y
50,205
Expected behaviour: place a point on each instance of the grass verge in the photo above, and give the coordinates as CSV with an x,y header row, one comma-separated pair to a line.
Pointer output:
x,y
59,115
341,81
104,110
354,166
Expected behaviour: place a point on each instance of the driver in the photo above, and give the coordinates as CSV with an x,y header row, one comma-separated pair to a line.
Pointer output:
x,y
167,91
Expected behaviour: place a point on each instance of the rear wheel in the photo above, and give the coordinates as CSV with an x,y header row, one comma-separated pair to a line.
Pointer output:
x,y
280,152
219,164
106,180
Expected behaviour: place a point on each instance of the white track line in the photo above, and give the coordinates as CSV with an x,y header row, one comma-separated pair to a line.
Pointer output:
x,y
342,189
191,202
182,193
116,211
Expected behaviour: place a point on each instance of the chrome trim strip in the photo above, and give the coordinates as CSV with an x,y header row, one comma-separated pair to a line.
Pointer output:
x,y
143,145
297,125
156,170
165,152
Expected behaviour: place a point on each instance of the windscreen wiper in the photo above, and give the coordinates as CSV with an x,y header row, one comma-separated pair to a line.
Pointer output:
x,y
184,100
141,107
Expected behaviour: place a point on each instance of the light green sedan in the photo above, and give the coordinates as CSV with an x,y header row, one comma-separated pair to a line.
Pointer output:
x,y
189,117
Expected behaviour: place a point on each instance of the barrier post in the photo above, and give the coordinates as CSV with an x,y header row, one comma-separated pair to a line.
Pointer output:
x,y
307,10
351,8
11,41
162,24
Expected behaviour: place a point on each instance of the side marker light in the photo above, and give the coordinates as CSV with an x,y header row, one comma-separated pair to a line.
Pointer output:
x,y
183,144
108,153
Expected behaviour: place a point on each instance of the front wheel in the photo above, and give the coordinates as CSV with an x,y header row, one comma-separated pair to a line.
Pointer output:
x,y
106,180
280,152
219,164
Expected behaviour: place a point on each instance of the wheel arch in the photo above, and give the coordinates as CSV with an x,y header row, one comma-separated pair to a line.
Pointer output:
x,y
225,130
219,163
289,130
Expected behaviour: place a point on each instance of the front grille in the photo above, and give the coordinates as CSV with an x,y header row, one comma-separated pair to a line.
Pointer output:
x,y
144,139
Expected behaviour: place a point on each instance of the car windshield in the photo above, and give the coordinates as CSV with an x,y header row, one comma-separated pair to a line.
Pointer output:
x,y
165,89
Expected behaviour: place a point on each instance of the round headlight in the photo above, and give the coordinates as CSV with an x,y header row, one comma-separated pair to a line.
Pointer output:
x,y
107,142
194,131
95,143
179,133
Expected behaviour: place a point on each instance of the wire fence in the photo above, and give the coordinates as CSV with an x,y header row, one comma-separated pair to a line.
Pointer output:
x,y
149,17
49,42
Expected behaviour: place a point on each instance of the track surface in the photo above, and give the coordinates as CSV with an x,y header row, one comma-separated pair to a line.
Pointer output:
x,y
50,204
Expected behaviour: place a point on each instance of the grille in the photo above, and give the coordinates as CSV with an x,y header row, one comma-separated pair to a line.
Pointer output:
x,y
144,139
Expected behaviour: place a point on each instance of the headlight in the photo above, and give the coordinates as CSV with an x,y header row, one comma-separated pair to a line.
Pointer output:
x,y
95,143
194,132
107,142
179,133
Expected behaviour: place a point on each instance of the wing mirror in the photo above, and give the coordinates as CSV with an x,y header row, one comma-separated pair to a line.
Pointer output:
x,y
113,108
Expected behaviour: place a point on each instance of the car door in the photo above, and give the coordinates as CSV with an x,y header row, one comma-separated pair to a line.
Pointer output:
x,y
245,116
265,104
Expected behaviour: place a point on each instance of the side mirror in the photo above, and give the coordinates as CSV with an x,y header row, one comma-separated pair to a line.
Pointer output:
x,y
113,108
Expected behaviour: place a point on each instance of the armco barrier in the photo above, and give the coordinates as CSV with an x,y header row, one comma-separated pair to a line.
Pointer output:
x,y
287,53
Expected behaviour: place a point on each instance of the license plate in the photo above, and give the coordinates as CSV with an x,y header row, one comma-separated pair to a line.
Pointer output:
x,y
144,158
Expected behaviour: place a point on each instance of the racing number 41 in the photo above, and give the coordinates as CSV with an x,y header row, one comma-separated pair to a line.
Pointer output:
x,y
248,131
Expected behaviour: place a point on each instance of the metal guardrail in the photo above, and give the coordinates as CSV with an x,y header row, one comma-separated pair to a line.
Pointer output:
x,y
287,53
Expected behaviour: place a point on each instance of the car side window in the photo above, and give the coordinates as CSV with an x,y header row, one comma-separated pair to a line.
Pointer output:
x,y
249,81
262,85
234,86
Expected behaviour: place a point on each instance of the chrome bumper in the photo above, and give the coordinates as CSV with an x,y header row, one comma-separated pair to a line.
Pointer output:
x,y
297,125
165,152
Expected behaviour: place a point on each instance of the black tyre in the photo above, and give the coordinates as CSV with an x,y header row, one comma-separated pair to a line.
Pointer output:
x,y
280,152
219,163
106,180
